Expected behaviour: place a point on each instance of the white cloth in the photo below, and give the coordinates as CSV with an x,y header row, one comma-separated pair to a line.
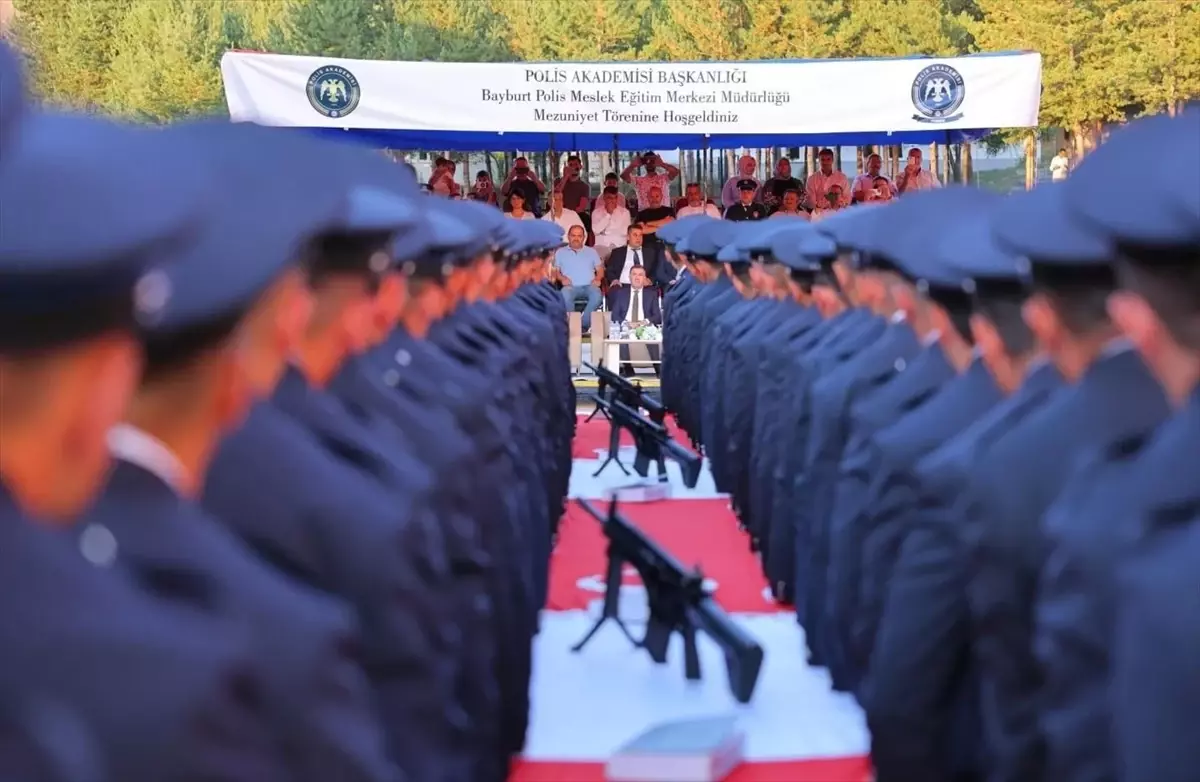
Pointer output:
x,y
800,214
611,228
138,447
524,216
568,219
818,187
704,209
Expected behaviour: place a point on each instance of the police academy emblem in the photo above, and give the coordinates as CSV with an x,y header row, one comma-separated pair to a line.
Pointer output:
x,y
333,91
937,92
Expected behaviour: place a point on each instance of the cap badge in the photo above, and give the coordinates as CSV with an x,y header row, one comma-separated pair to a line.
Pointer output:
x,y
151,294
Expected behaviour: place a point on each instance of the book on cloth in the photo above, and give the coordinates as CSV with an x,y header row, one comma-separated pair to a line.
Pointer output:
x,y
708,749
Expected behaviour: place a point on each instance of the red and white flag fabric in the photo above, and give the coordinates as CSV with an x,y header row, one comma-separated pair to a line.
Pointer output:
x,y
586,705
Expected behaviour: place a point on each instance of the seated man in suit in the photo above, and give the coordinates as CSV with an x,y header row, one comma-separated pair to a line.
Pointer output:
x,y
635,253
636,304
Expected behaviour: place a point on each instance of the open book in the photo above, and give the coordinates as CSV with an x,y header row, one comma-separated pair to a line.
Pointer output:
x,y
696,750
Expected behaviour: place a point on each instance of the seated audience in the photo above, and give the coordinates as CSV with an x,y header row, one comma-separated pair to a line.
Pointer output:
x,y
578,268
565,218
730,192
610,222
790,206
783,181
515,207
820,183
636,304
747,208
653,213
696,205
635,253
524,180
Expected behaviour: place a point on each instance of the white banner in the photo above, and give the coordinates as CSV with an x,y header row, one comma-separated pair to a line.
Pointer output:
x,y
828,96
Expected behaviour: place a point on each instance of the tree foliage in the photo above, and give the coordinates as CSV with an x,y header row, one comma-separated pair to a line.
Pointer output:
x,y
1103,60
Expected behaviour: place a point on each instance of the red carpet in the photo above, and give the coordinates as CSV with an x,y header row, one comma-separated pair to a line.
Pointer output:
x,y
594,434
835,770
697,532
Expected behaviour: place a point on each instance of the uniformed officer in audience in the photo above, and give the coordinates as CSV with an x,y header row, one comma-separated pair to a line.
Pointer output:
x,y
746,208
97,680
235,302
1117,632
344,508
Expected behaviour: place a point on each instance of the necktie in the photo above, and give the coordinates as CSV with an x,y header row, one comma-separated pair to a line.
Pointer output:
x,y
636,312
637,258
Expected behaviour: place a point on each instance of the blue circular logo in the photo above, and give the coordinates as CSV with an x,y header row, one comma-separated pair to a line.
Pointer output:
x,y
937,92
333,91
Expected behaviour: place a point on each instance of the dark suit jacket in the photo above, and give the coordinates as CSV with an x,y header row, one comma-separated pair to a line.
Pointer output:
x,y
651,256
618,304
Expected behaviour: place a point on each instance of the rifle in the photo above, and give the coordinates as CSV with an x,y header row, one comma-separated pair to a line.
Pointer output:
x,y
653,442
678,603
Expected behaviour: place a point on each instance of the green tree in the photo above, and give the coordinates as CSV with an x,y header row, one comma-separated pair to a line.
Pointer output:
x,y
894,28
71,45
1084,80
359,29
451,30
580,31
168,53
1161,39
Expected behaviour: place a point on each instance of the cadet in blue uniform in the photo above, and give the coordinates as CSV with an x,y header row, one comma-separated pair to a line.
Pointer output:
x,y
739,396
1014,480
681,291
798,250
897,253
506,349
413,297
921,692
847,331
793,367
340,506
88,209
211,354
833,394
1117,632
720,388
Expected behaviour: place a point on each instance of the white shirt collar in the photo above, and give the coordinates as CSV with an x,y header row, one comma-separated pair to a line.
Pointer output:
x,y
138,447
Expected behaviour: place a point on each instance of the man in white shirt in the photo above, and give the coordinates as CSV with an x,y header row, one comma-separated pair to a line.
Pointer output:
x,y
1060,165
696,205
634,254
610,223
823,181
913,177
730,194
864,183
565,218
